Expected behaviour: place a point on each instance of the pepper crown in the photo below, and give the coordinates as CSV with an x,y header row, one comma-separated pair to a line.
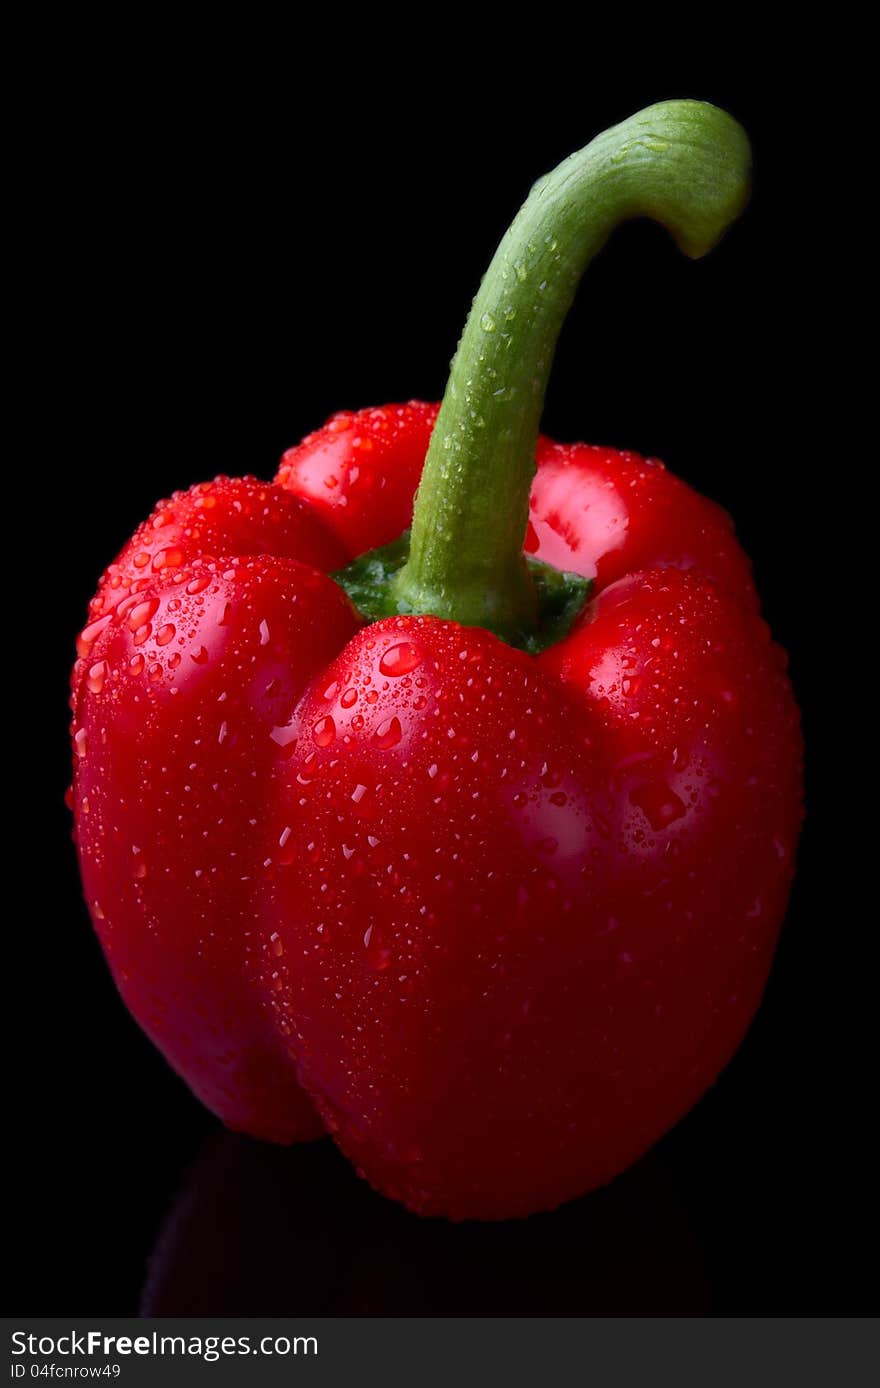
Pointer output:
x,y
684,164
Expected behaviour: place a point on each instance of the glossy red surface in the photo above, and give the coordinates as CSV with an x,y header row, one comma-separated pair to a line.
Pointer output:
x,y
360,471
185,669
504,918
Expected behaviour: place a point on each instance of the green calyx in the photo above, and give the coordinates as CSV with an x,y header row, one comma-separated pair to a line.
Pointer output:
x,y
371,583
684,164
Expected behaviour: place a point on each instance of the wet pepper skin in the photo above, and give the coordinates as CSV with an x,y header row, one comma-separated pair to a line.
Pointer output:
x,y
502,918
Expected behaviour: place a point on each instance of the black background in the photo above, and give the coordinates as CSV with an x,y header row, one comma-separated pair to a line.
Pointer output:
x,y
224,256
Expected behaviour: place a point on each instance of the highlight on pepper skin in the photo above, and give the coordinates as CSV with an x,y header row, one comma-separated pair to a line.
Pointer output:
x,y
491,900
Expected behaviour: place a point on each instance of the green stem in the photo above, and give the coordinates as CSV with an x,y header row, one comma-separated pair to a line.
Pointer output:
x,y
683,163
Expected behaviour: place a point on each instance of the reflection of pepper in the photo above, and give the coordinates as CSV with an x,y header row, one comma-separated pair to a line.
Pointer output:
x,y
496,876
272,1231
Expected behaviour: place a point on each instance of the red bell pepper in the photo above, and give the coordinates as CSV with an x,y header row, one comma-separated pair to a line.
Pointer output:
x,y
470,845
